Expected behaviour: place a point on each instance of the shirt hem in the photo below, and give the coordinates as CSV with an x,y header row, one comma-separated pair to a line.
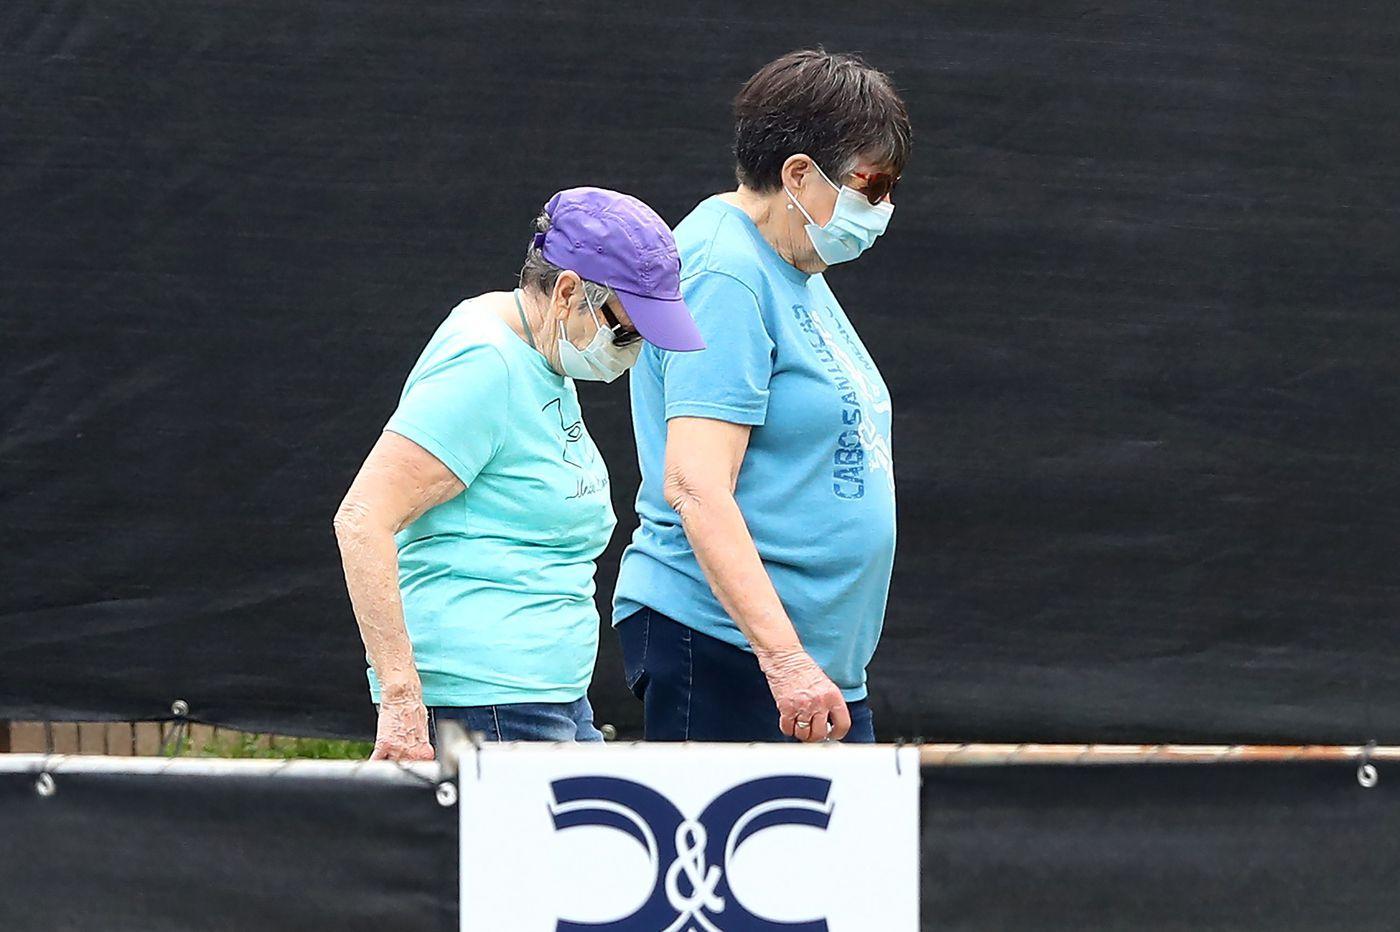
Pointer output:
x,y
746,416
467,698
625,607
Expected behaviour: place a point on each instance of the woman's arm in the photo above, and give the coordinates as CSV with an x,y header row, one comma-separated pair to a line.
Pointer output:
x,y
703,457
398,482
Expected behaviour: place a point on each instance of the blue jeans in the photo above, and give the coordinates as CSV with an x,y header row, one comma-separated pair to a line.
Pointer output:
x,y
695,687
521,721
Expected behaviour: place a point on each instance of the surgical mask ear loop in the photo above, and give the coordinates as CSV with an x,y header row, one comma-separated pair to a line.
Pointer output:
x,y
589,301
795,202
564,333
834,185
792,197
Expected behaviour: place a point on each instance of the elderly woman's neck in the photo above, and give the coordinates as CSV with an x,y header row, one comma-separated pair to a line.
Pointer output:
x,y
526,311
769,212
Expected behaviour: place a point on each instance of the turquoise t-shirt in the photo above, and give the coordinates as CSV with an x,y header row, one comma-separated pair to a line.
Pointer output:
x,y
817,484
497,583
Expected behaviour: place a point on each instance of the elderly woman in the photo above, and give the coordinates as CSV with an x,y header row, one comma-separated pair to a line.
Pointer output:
x,y
752,595
470,534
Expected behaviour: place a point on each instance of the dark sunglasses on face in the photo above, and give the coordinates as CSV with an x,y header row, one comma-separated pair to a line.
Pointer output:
x,y
877,185
621,336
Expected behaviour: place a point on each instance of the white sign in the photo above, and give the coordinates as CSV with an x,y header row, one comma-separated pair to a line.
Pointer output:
x,y
690,838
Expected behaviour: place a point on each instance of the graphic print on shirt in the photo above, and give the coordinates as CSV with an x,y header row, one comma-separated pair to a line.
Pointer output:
x,y
861,449
577,453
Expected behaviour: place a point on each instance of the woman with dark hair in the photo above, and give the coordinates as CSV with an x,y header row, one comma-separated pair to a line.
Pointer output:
x,y
470,534
752,595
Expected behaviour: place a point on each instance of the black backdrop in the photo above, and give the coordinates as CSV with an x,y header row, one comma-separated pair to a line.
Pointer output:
x,y
1136,310
183,849
1170,847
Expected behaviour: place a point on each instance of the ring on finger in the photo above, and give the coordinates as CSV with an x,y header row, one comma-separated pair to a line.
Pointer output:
x,y
804,724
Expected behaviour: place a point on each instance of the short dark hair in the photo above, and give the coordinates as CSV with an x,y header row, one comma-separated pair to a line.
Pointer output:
x,y
831,106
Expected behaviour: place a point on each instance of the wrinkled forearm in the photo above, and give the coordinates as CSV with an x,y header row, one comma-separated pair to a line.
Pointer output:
x,y
370,561
726,552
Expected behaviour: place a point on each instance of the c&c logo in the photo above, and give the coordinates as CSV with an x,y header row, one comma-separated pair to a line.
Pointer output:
x,y
690,857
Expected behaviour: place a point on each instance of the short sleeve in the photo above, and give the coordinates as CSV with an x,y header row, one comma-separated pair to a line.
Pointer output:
x,y
455,408
728,380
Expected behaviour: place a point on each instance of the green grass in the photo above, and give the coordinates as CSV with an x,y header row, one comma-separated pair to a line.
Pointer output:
x,y
250,746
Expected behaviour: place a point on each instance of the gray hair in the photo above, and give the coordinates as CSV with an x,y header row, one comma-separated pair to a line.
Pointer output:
x,y
539,274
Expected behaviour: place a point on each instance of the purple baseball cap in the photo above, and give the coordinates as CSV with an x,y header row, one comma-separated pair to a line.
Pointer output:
x,y
616,240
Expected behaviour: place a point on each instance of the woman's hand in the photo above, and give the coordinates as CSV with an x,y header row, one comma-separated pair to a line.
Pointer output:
x,y
398,483
403,730
810,707
702,470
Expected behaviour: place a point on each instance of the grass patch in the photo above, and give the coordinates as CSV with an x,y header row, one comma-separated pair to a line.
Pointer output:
x,y
242,745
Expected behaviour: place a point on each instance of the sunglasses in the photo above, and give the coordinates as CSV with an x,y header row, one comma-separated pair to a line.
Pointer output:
x,y
621,336
878,185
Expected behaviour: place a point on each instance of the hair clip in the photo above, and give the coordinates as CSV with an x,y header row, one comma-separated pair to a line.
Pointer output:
x,y
539,241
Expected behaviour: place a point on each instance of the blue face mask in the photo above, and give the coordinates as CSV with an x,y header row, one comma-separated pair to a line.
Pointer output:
x,y
854,225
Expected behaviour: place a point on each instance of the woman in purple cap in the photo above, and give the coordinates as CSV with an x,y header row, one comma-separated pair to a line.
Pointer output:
x,y
753,593
470,534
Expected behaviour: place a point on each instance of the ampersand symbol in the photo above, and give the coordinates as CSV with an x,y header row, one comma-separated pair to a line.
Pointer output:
x,y
690,860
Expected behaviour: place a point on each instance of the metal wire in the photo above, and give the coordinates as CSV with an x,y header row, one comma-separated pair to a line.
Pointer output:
x,y
452,750
981,755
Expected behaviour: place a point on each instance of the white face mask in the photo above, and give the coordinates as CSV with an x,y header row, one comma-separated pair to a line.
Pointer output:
x,y
602,360
853,227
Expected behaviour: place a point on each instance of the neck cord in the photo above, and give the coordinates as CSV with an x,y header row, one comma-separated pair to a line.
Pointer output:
x,y
524,321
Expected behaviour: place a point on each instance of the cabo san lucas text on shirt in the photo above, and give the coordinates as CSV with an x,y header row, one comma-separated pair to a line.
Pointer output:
x,y
858,441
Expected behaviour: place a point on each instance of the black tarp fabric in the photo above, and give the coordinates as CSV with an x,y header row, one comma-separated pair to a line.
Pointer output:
x,y
1170,847
1136,310
1161,847
176,851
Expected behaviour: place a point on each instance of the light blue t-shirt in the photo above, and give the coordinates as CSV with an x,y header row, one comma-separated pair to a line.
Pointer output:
x,y
497,583
817,483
